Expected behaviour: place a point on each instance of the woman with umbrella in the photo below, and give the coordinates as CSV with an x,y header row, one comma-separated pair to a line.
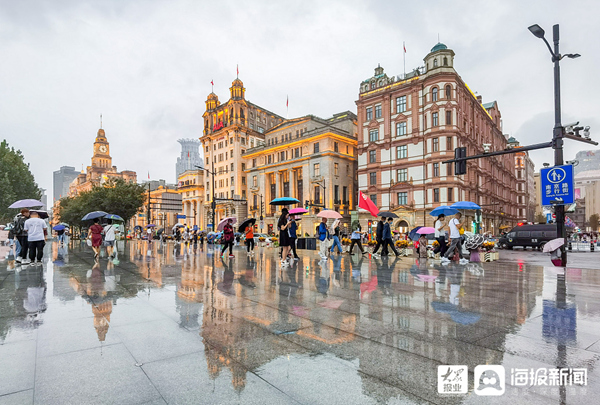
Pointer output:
x,y
284,237
228,238
95,235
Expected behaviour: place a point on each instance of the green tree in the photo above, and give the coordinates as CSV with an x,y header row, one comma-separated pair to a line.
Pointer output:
x,y
594,219
540,218
16,181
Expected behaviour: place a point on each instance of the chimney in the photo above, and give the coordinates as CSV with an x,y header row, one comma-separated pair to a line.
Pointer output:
x,y
479,100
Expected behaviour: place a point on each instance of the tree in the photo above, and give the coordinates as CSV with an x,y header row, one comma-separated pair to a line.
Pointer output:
x,y
594,219
16,181
540,218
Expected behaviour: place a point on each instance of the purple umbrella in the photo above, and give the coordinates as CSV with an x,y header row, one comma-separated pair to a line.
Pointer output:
x,y
28,203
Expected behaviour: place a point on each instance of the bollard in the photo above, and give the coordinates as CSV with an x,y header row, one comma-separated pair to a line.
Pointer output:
x,y
591,246
570,247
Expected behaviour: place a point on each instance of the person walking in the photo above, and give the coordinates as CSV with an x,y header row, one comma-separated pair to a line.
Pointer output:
x,y
95,234
61,236
323,236
355,240
36,237
379,238
284,236
249,234
110,237
387,237
336,236
21,235
440,235
228,238
293,237
455,240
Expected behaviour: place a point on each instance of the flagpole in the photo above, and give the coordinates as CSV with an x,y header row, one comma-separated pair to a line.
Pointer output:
x,y
404,56
287,107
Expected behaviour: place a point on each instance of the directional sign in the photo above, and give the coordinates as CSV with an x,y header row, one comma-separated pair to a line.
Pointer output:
x,y
557,185
181,216
548,218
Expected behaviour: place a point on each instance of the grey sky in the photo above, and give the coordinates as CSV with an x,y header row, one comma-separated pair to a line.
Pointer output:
x,y
147,65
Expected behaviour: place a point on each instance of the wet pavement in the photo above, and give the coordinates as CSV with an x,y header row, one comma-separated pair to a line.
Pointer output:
x,y
163,325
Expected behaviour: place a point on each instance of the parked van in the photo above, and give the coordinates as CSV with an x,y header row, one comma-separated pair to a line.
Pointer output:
x,y
534,236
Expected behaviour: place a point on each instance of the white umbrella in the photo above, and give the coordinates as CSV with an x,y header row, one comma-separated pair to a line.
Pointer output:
x,y
553,245
223,222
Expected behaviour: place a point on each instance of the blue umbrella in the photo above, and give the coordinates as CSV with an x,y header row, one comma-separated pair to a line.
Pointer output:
x,y
413,235
93,215
443,209
465,205
59,227
113,216
285,201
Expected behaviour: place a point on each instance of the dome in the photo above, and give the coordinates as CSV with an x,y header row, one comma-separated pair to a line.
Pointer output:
x,y
237,82
438,47
212,96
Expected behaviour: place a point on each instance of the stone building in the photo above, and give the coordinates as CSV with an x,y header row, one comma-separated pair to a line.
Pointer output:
x,y
308,158
190,156
165,204
408,126
526,190
190,184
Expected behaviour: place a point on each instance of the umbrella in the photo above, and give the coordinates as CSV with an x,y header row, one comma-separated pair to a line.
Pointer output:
x,y
177,226
59,227
465,318
113,216
413,235
553,245
28,203
465,205
221,225
246,223
425,230
285,201
387,214
137,227
93,215
443,209
160,231
42,214
297,211
150,226
329,214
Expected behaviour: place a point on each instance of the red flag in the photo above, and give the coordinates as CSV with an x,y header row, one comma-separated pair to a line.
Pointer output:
x,y
211,83
365,203
237,68
148,175
404,46
287,101
188,154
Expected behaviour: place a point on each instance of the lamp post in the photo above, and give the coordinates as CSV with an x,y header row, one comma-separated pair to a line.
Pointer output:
x,y
558,132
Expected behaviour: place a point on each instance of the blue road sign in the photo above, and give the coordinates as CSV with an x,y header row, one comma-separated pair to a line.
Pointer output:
x,y
557,185
180,216
548,218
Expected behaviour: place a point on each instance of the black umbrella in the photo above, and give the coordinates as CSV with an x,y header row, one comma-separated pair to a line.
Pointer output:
x,y
387,214
42,214
246,223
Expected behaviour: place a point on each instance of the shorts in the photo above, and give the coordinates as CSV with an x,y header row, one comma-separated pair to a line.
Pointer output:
x,y
109,243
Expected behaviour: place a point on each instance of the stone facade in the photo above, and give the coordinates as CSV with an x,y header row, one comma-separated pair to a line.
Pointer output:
x,y
526,190
190,184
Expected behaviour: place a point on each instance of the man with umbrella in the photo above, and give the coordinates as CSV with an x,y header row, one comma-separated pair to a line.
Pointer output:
x,y
21,235
455,240
379,237
387,237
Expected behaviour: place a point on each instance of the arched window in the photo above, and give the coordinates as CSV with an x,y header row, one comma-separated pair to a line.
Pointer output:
x,y
448,92
445,61
435,63
434,94
373,85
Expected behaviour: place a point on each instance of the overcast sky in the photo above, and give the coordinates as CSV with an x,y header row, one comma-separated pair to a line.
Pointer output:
x,y
146,66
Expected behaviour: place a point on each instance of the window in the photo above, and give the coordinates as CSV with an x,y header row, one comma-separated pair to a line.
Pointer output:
x,y
519,174
344,195
378,111
336,192
336,169
243,166
448,92
434,119
254,181
436,170
243,181
372,156
401,152
253,162
372,85
282,156
401,104
336,147
449,117
297,152
402,198
434,94
261,130
207,149
436,195
373,178
373,198
269,159
232,167
318,194
373,135
436,144
316,170
449,143
400,128
401,175
450,194
316,147
369,113
435,63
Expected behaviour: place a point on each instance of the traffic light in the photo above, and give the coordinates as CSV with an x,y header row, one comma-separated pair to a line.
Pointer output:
x,y
461,166
306,205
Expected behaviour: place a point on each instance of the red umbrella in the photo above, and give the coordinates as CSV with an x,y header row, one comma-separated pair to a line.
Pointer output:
x,y
365,203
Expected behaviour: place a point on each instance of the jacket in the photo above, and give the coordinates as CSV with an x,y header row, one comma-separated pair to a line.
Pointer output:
x,y
322,232
292,230
387,231
379,231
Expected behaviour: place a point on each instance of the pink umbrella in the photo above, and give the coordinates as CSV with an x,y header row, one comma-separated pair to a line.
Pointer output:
x,y
297,211
329,214
553,245
425,230
223,222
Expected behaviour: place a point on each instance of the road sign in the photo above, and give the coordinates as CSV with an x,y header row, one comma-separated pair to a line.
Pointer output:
x,y
548,218
262,224
557,185
180,216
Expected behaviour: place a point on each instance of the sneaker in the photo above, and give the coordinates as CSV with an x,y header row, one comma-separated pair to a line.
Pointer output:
x,y
18,259
463,261
445,260
296,259
26,261
231,256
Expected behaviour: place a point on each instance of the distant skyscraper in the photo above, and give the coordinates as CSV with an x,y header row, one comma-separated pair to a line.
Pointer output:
x,y
588,160
190,156
62,179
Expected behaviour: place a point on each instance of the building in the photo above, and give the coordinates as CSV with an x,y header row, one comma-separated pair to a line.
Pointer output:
x,y
539,210
526,190
190,156
579,214
308,158
407,126
165,205
101,169
190,184
586,160
230,129
62,178
587,188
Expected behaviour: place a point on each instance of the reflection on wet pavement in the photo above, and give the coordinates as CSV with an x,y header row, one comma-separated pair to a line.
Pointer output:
x,y
166,324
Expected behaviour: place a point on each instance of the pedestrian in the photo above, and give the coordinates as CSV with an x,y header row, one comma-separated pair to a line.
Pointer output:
x,y
455,240
228,238
335,228
249,233
149,233
323,236
21,235
440,235
379,238
36,237
293,236
178,235
387,237
284,236
95,234
355,240
61,236
110,237
186,238
201,238
422,246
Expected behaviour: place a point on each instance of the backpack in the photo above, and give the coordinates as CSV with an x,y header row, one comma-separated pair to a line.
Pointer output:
x,y
19,225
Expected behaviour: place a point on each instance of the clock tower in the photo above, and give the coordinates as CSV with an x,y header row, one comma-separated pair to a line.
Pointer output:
x,y
101,157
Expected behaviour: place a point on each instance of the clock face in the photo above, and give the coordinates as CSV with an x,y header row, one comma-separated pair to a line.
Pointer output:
x,y
102,148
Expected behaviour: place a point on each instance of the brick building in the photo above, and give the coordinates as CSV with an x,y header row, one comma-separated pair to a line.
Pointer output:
x,y
408,125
